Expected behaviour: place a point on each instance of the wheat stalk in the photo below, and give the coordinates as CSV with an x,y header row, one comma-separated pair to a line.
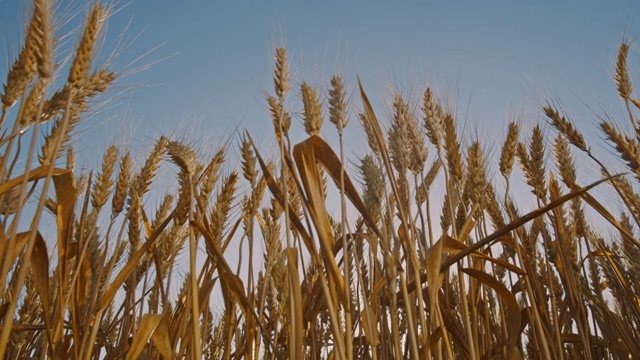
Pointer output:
x,y
400,295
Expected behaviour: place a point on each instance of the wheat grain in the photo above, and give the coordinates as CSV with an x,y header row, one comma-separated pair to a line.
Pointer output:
x,y
627,148
42,28
509,150
337,103
533,163
248,163
31,103
183,156
433,119
30,45
493,207
222,206
445,218
580,226
9,201
173,243
374,187
565,127
452,149
418,155
565,161
476,175
368,129
432,174
280,117
626,190
209,176
81,64
462,212
623,82
163,211
143,179
122,185
102,187
77,106
47,155
95,84
399,138
312,110
134,215
18,79
184,197
281,74
56,104
630,251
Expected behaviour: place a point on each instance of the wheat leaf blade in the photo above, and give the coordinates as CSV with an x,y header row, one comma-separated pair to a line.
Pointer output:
x,y
146,328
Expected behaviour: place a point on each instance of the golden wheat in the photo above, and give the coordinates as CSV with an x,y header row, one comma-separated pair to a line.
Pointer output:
x,y
378,280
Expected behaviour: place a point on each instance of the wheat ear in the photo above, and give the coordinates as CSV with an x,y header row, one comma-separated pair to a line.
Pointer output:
x,y
84,53
312,110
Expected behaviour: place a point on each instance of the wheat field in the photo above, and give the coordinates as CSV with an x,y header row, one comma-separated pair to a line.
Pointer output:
x,y
427,256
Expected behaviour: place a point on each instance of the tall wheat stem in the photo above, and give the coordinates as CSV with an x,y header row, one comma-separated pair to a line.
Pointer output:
x,y
22,269
540,334
421,308
94,298
445,334
345,256
7,263
195,303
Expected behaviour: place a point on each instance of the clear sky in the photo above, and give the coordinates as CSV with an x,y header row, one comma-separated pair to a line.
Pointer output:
x,y
214,60
212,63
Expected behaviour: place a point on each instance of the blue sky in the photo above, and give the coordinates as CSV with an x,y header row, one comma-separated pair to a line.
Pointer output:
x,y
214,60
